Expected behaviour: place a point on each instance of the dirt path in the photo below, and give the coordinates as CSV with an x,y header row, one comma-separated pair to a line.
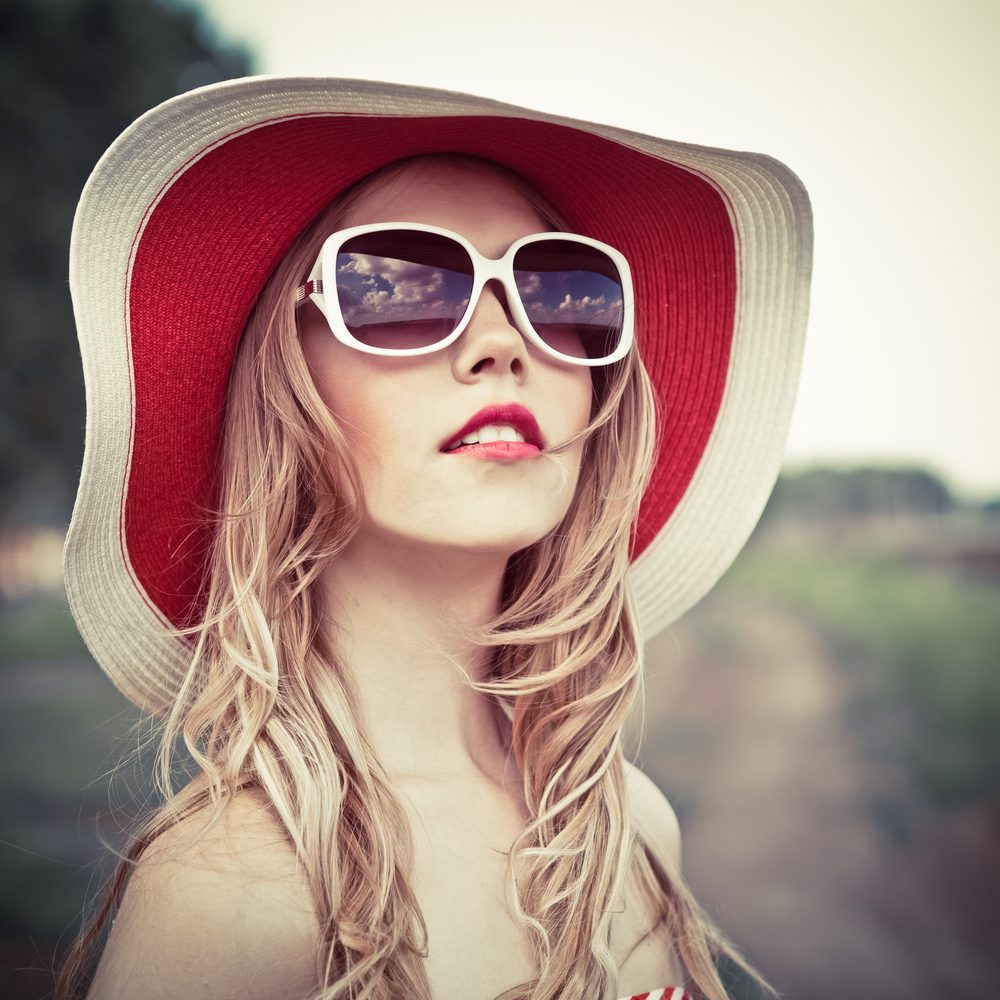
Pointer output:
x,y
780,843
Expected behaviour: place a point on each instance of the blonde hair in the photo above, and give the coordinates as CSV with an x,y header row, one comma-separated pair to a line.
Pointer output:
x,y
266,703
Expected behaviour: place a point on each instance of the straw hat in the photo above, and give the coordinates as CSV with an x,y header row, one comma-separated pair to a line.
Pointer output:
x,y
192,207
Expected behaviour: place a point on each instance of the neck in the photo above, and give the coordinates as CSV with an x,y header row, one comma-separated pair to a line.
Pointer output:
x,y
400,620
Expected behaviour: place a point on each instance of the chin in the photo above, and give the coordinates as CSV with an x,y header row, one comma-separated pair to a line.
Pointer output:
x,y
507,534
504,543
464,535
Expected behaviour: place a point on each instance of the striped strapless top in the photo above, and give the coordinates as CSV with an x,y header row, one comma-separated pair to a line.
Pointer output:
x,y
667,993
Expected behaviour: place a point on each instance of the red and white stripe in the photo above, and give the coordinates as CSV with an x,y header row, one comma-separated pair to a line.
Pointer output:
x,y
667,993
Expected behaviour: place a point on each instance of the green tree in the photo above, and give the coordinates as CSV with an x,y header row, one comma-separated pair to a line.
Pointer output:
x,y
73,75
824,494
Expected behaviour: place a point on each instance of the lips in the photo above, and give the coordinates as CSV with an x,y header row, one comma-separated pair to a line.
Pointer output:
x,y
513,414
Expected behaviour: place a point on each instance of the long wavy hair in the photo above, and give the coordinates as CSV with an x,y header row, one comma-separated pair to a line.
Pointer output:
x,y
267,705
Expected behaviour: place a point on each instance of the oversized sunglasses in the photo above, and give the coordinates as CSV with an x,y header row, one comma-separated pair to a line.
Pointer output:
x,y
403,288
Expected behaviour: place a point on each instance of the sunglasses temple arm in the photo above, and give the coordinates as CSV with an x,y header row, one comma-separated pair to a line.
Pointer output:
x,y
311,287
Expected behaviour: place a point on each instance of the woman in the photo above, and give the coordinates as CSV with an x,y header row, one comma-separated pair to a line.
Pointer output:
x,y
357,515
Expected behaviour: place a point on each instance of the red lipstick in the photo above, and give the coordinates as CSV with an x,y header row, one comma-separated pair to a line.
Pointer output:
x,y
513,415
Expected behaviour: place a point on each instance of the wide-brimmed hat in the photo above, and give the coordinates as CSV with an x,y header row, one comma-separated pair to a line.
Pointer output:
x,y
192,207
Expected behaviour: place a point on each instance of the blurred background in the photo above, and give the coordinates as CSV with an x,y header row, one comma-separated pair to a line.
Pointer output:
x,y
827,721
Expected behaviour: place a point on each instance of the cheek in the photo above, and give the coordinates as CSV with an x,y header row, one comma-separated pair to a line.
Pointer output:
x,y
340,376
587,405
577,393
571,405
365,409
369,400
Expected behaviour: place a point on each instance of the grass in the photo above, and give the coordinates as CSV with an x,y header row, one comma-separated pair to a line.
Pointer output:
x,y
924,643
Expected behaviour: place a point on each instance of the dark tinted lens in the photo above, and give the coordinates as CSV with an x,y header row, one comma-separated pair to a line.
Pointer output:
x,y
402,289
573,296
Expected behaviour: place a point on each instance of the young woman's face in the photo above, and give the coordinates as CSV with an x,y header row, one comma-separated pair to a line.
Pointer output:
x,y
399,413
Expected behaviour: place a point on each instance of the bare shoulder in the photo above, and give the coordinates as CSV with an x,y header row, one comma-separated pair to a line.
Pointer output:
x,y
646,953
653,815
226,915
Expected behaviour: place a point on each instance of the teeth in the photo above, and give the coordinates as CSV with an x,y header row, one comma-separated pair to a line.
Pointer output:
x,y
491,433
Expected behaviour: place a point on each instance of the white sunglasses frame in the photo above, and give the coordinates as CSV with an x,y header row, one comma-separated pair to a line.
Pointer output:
x,y
484,268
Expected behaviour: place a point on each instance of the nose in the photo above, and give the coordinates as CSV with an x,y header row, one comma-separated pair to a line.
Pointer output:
x,y
491,342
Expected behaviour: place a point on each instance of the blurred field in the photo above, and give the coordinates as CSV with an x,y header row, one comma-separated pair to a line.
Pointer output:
x,y
826,723
919,628
62,725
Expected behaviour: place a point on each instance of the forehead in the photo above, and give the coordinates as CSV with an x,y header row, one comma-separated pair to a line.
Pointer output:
x,y
479,202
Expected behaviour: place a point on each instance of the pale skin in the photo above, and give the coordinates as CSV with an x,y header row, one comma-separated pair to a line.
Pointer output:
x,y
431,553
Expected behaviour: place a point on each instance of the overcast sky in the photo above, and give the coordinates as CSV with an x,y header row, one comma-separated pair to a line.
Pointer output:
x,y
889,110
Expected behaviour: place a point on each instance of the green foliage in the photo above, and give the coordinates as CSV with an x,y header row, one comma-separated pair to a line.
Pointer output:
x,y
73,75
925,641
